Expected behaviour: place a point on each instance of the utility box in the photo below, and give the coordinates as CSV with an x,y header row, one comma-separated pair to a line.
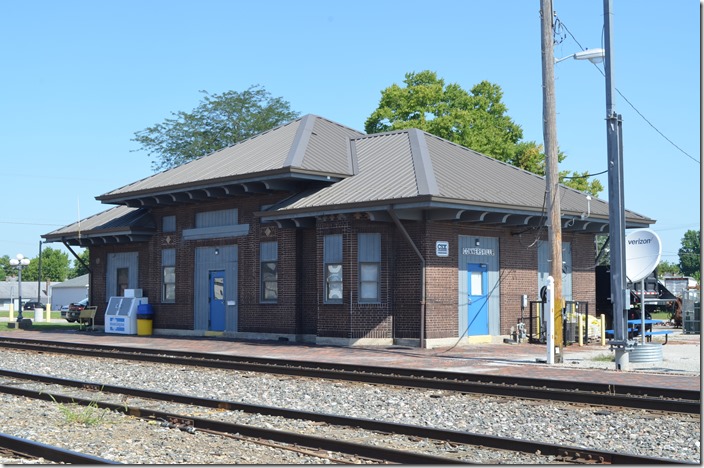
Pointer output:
x,y
691,311
121,314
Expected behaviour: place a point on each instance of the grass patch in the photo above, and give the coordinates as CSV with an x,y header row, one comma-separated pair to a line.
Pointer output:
x,y
78,414
606,357
661,315
55,314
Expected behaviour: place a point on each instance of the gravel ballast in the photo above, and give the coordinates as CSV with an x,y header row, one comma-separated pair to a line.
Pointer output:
x,y
129,440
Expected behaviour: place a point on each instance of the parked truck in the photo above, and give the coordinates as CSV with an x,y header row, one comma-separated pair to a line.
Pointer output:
x,y
657,297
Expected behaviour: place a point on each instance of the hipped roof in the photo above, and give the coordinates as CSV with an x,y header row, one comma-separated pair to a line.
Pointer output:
x,y
329,168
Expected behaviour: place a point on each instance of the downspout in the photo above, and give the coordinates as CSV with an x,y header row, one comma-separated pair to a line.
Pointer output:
x,y
422,274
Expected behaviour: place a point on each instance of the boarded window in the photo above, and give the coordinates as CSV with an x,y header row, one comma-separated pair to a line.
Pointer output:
x,y
332,260
168,224
168,267
208,219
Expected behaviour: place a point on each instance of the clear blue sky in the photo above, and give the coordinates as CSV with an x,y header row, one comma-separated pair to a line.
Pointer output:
x,y
79,78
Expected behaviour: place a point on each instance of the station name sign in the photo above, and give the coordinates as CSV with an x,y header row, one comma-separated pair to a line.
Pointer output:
x,y
478,251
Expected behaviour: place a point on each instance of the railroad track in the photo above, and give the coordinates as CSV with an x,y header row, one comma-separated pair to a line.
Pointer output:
x,y
625,396
28,449
351,452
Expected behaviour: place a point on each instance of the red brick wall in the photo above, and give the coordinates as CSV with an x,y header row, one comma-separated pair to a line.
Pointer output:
x,y
300,308
519,273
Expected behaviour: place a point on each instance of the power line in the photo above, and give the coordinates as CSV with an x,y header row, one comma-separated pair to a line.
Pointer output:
x,y
559,25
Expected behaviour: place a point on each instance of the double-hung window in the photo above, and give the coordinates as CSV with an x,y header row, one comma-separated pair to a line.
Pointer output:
x,y
168,275
269,261
369,261
332,260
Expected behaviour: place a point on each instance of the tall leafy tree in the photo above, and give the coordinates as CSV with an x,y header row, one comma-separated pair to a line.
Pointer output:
x,y
78,268
690,254
476,119
6,270
668,268
55,266
220,120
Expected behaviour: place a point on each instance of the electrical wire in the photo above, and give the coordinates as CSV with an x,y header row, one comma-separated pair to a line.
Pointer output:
x,y
462,336
560,25
586,176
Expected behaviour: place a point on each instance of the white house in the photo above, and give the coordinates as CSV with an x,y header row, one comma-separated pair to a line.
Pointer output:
x,y
66,292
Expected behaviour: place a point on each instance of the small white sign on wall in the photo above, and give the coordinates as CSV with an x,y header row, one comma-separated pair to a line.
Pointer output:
x,y
442,248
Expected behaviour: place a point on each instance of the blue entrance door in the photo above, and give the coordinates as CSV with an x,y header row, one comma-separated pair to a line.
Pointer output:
x,y
217,301
477,300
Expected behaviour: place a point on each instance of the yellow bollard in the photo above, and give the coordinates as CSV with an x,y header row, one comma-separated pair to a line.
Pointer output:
x,y
12,312
603,329
48,313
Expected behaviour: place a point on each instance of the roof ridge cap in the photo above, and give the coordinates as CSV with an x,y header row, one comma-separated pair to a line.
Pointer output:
x,y
420,155
300,141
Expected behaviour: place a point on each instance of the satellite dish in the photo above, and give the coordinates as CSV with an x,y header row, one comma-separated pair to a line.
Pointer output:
x,y
643,250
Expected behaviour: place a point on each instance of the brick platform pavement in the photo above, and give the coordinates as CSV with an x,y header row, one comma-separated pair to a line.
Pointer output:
x,y
519,360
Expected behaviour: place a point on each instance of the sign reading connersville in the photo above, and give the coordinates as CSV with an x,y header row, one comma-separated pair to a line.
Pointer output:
x,y
478,251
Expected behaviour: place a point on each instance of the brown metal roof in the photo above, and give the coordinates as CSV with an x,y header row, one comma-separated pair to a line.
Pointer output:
x,y
117,224
415,173
413,165
309,145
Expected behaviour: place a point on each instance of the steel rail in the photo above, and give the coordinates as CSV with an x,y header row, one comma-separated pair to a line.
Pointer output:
x,y
35,449
628,396
186,422
467,438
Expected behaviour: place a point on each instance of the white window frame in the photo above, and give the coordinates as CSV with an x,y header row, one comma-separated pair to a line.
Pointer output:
x,y
369,261
269,263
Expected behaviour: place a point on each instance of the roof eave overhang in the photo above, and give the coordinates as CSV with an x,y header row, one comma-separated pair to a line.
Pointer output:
x,y
287,180
438,209
102,237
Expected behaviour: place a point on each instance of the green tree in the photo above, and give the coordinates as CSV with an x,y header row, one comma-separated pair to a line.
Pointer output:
x,y
476,119
55,266
78,268
6,270
603,246
530,156
220,120
668,268
690,254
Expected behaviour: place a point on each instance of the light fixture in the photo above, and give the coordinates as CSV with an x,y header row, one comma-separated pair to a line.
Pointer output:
x,y
593,55
476,242
217,251
19,263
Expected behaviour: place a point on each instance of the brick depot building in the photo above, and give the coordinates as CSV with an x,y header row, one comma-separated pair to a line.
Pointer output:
x,y
316,232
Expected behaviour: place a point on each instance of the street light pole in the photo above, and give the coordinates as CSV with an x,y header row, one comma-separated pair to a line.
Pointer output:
x,y
620,299
554,223
19,263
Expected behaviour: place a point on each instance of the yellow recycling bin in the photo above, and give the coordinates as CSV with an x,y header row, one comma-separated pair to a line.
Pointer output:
x,y
145,318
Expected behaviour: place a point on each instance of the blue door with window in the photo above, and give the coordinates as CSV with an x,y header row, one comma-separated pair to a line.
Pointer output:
x,y
217,301
477,299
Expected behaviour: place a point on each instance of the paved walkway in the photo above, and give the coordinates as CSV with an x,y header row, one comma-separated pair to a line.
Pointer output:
x,y
526,360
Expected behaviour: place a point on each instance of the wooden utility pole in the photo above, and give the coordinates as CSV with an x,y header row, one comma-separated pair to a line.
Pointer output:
x,y
554,223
